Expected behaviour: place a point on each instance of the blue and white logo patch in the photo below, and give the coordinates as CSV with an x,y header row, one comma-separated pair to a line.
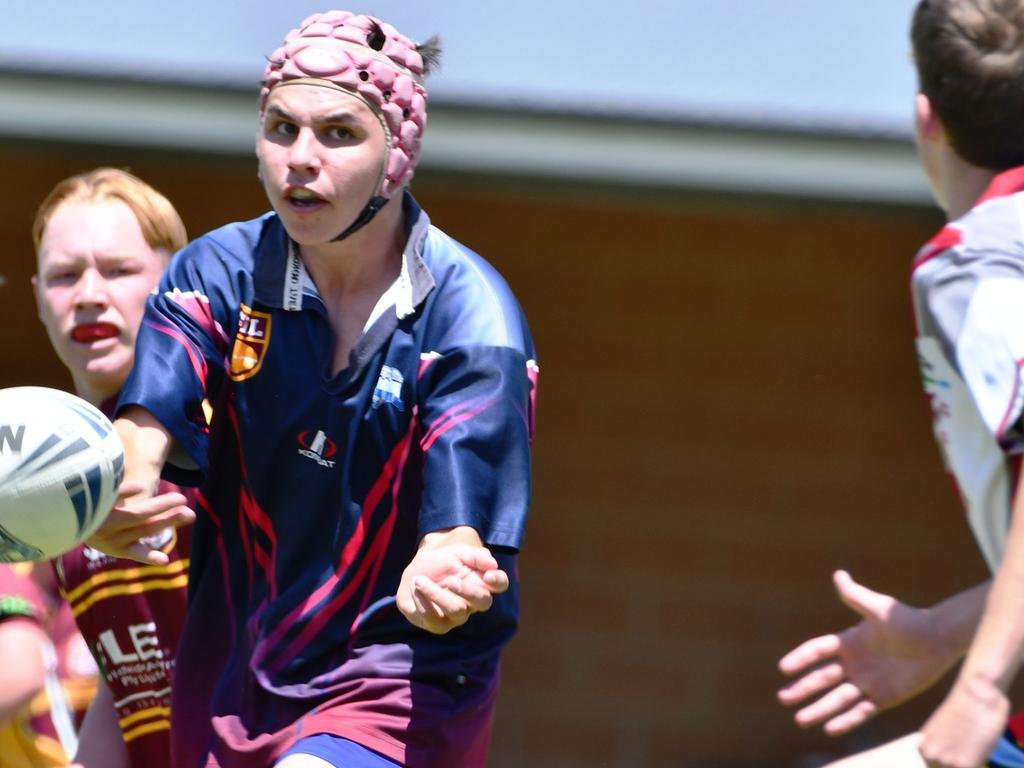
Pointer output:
x,y
389,388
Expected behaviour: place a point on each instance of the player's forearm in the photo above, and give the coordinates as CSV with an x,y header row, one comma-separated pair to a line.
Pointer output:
x,y
994,656
100,743
147,443
954,622
21,639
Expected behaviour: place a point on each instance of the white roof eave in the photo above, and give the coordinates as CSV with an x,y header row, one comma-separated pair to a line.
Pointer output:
x,y
488,141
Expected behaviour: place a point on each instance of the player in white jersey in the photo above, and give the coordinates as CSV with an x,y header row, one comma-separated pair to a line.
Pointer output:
x,y
968,290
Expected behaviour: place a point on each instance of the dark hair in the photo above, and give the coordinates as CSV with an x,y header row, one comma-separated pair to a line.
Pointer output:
x,y
430,50
970,64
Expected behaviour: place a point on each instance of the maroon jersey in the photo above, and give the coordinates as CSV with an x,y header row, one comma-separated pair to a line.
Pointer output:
x,y
131,616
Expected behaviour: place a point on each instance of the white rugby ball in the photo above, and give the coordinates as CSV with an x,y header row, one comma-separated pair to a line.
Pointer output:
x,y
61,463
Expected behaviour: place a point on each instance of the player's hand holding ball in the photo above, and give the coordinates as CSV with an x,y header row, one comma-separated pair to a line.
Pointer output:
x,y
141,513
137,518
451,577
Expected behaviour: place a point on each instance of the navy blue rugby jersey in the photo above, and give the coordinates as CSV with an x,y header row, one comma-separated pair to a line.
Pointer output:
x,y
317,487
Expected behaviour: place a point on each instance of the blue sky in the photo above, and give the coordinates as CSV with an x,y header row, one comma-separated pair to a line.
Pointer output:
x,y
834,63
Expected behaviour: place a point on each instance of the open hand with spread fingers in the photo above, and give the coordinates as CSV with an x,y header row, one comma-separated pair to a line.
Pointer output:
x,y
843,679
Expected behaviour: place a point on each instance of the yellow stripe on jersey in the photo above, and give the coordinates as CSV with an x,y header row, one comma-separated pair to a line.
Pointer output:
x,y
161,722
143,714
126,574
142,730
135,588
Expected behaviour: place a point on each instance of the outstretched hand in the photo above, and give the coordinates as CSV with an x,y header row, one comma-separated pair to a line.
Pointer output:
x,y
450,578
136,517
844,679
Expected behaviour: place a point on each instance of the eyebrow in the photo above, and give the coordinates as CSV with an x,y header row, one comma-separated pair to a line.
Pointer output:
x,y
278,112
341,116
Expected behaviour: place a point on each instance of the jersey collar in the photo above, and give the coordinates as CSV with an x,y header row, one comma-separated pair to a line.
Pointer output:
x,y
1006,183
281,281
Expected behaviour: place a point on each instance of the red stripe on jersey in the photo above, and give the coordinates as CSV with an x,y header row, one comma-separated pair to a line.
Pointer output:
x,y
257,519
379,548
451,418
533,374
198,308
198,362
424,364
392,467
262,522
439,422
203,503
243,532
374,557
390,476
1006,183
265,561
948,237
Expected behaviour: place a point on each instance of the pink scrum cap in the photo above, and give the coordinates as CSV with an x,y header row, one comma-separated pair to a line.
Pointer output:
x,y
371,60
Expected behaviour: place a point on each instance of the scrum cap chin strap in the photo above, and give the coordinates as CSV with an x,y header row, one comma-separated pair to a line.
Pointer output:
x,y
376,203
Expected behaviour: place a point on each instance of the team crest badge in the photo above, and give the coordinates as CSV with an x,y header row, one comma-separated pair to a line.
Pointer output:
x,y
251,342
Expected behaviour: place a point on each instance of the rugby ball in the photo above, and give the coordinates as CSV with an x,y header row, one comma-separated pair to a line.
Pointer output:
x,y
61,463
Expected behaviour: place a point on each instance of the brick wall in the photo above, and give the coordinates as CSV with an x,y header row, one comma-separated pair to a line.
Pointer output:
x,y
729,409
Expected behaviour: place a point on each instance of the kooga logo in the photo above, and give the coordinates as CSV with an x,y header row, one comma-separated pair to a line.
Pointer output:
x,y
319,449
8,437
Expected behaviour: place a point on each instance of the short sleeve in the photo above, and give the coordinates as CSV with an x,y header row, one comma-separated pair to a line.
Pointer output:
x,y
989,352
476,405
180,354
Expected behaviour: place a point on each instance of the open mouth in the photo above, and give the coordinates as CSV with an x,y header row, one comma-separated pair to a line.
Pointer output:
x,y
302,199
90,332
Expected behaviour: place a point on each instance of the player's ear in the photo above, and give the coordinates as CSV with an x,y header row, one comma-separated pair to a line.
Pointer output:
x,y
35,294
259,164
926,121
259,153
